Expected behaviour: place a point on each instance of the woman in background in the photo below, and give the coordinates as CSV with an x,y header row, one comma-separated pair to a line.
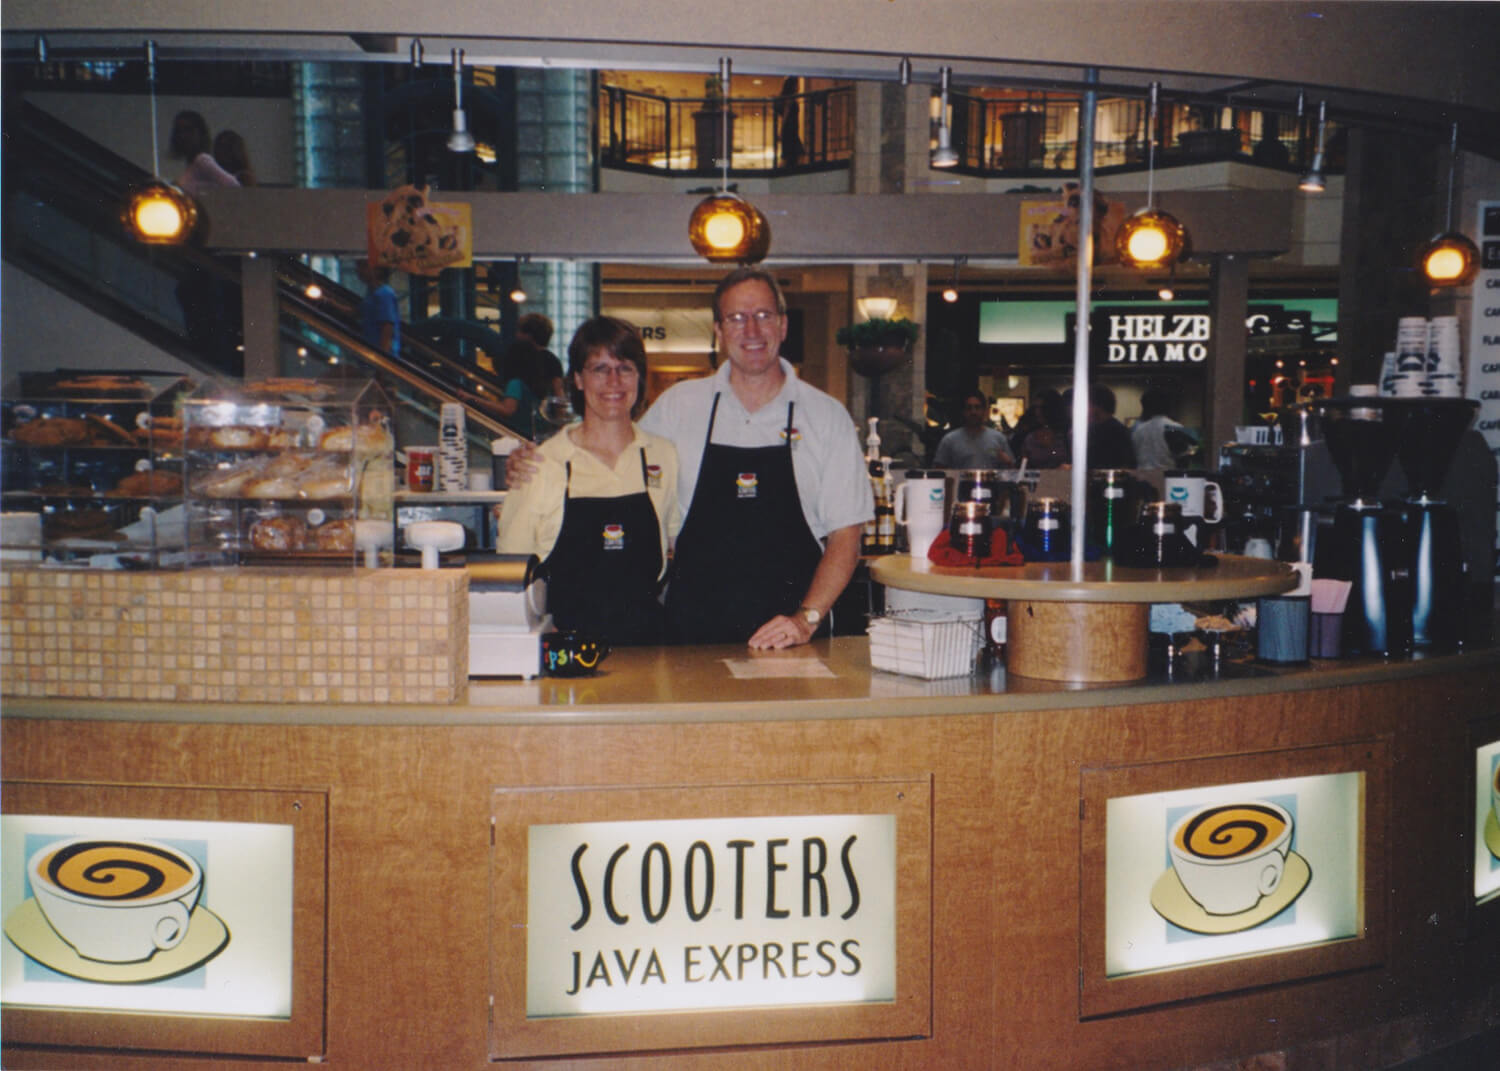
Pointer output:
x,y
233,155
191,143
603,503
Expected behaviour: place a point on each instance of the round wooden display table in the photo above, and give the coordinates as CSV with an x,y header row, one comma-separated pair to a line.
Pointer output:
x,y
1089,627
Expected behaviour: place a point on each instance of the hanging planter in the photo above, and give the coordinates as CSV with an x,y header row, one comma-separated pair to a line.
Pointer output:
x,y
878,346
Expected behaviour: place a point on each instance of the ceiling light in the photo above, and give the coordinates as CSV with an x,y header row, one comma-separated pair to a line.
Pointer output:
x,y
944,155
1151,239
876,307
460,140
1312,182
724,227
950,292
1450,259
160,214
1166,293
313,291
950,295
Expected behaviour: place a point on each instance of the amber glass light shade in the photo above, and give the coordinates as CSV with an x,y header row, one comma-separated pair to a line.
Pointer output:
x,y
1151,239
1450,260
158,214
724,227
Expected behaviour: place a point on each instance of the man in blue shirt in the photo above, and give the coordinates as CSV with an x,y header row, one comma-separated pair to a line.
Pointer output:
x,y
379,315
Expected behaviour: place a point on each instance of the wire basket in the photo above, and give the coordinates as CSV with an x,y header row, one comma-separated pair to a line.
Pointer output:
x,y
925,643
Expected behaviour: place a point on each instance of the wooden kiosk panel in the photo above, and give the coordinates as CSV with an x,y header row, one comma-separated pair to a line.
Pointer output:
x,y
239,823
1194,881
720,915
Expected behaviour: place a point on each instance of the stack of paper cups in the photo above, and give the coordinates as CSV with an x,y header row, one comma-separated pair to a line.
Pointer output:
x,y
1411,359
1388,374
453,449
1444,370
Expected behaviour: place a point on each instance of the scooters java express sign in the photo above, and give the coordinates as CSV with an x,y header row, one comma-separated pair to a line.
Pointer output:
x,y
710,913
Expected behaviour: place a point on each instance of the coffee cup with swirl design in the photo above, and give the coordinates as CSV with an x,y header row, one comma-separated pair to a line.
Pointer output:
x,y
1229,856
116,901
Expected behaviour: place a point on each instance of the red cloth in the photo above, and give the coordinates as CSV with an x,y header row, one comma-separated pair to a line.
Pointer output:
x,y
1001,552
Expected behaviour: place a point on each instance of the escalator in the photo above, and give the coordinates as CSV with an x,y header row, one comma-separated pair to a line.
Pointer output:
x,y
63,198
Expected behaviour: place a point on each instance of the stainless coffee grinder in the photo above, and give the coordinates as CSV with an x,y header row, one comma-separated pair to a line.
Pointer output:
x,y
1430,435
1365,544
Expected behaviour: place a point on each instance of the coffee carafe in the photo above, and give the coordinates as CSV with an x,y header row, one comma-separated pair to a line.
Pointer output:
x,y
1114,502
1430,435
1365,545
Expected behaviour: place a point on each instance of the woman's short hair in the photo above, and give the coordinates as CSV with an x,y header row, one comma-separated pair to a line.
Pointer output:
x,y
621,339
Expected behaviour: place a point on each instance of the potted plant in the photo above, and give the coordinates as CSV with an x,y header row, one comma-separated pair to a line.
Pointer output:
x,y
877,346
708,124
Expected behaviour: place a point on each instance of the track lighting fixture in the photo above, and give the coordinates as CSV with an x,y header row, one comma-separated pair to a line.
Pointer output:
x,y
460,140
943,155
1313,181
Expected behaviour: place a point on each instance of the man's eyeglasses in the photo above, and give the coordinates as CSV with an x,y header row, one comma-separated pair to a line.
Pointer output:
x,y
762,317
623,372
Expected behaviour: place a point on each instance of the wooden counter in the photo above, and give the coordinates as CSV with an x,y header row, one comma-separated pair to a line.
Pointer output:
x,y
405,957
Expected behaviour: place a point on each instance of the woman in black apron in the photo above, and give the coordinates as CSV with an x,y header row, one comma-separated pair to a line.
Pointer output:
x,y
604,565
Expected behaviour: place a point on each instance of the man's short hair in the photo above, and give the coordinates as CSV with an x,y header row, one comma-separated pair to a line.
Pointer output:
x,y
536,327
747,274
1103,397
975,394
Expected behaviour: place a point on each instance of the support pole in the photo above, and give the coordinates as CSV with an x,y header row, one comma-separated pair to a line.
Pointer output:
x,y
1080,471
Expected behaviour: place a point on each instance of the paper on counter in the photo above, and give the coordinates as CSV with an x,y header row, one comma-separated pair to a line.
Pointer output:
x,y
770,667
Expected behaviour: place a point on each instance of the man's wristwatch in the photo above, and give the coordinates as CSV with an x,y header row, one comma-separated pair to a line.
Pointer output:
x,y
811,614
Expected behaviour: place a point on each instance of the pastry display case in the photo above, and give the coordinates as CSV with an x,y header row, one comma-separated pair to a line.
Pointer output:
x,y
93,468
288,470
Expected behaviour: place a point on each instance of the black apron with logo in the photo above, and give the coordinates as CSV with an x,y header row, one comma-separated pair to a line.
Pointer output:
x,y
602,574
745,552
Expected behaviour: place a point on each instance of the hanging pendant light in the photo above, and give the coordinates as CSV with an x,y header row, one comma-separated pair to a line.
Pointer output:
x,y
944,155
724,227
156,212
1313,181
460,140
1151,239
950,292
1450,259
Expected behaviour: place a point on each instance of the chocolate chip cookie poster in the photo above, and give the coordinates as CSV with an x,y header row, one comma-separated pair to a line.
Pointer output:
x,y
407,232
146,915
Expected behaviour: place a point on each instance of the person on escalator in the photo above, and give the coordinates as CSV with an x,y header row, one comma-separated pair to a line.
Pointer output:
x,y
379,312
603,502
210,305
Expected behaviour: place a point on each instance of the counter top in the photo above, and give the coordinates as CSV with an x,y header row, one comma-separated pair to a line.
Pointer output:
x,y
828,679
1232,577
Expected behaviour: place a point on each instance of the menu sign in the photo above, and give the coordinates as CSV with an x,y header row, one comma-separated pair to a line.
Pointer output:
x,y
710,913
1484,329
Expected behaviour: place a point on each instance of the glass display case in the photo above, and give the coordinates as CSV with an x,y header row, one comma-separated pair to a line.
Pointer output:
x,y
288,470
93,469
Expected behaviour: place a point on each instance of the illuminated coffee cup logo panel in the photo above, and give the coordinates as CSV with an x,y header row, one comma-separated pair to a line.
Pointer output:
x,y
1230,831
117,870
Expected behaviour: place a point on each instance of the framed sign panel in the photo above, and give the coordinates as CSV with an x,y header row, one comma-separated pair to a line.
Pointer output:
x,y
1204,876
164,918
1486,814
716,915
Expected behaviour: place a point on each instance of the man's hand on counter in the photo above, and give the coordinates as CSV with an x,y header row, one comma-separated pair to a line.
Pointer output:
x,y
781,632
520,465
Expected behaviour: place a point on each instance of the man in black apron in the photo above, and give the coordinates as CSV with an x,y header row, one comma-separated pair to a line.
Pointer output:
x,y
747,567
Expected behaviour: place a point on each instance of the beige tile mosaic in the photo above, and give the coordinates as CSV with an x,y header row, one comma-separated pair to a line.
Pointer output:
x,y
250,635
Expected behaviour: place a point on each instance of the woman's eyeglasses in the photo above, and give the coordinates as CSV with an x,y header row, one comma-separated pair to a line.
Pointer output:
x,y
622,372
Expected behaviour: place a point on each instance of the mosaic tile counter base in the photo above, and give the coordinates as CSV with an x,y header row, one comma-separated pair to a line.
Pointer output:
x,y
237,635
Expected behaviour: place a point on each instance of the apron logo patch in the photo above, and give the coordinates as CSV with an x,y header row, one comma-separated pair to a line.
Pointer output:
x,y
746,484
614,537
653,475
792,435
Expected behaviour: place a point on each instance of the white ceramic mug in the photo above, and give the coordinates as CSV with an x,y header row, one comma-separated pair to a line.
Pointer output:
x,y
1230,855
1193,492
116,901
921,506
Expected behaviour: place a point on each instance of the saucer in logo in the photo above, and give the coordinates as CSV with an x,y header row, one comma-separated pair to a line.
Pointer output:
x,y
1177,494
1492,834
29,930
1172,902
747,484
